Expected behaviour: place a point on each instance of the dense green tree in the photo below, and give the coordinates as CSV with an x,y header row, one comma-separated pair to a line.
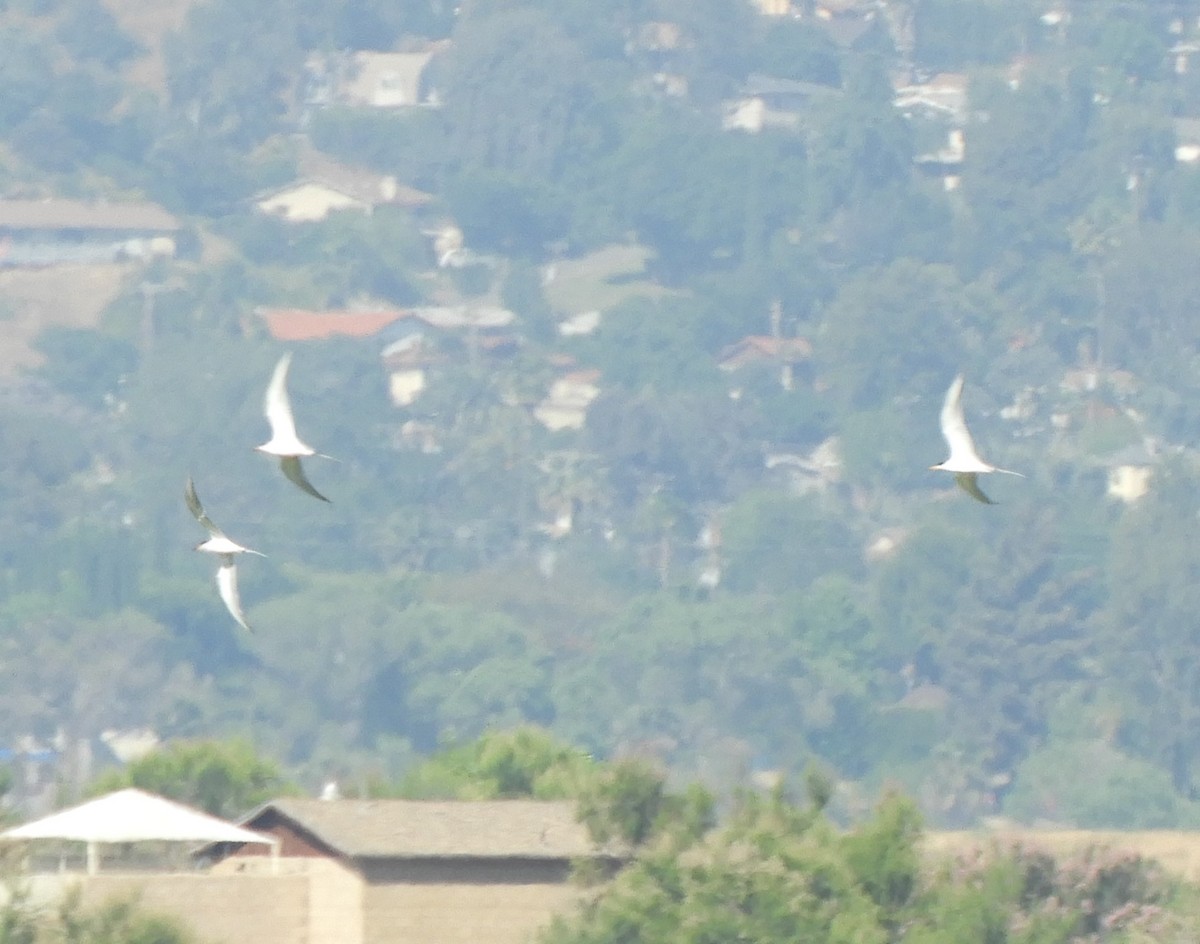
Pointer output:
x,y
120,921
858,143
501,211
1128,40
628,802
1119,791
226,778
759,542
410,144
686,446
655,344
1147,318
1024,181
1148,626
688,188
519,99
950,34
774,873
1018,642
85,364
81,675
714,46
798,49
520,762
901,332
230,68
685,677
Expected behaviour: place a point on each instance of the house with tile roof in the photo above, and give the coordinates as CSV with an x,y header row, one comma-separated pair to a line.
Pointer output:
x,y
437,872
372,872
390,79
313,198
566,404
57,231
299,324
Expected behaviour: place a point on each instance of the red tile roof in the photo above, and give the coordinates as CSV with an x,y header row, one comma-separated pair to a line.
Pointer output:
x,y
297,324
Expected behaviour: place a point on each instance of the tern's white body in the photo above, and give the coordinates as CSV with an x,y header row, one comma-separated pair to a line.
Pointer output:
x,y
220,544
284,443
964,459
225,549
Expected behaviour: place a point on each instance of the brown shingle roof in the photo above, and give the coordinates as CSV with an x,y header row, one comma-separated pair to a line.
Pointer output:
x,y
758,347
357,182
527,829
75,214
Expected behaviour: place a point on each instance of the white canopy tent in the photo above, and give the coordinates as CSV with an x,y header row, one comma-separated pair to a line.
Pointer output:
x,y
133,815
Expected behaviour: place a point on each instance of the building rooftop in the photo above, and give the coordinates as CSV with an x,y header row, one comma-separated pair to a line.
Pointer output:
x,y
77,214
529,829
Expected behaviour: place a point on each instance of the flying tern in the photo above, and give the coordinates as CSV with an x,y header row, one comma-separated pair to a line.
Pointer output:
x,y
964,460
225,549
284,442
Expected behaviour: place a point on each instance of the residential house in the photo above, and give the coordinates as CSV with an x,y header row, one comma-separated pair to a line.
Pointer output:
x,y
883,544
407,360
802,473
767,350
413,349
769,102
307,201
54,232
1128,483
448,244
477,317
946,162
566,404
389,79
944,95
1183,53
399,871
1187,140
1129,472
583,323
326,186
847,21
371,872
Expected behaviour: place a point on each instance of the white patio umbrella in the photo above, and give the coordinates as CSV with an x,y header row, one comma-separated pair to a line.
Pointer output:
x,y
133,815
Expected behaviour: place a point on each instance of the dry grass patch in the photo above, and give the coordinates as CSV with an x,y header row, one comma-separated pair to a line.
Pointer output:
x,y
602,279
72,296
148,23
1177,851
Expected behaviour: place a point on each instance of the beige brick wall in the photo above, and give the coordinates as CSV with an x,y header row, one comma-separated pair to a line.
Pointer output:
x,y
335,906
461,913
321,901
219,909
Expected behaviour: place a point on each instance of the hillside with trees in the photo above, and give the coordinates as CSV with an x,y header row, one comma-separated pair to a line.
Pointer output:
x,y
757,248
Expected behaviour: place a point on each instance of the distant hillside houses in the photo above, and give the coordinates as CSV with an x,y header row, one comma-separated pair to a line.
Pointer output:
x,y
311,199
410,337
370,79
57,232
334,871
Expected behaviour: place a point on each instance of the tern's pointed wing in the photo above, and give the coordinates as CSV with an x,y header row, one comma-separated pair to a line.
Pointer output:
x,y
227,585
954,426
197,510
295,472
276,404
969,483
